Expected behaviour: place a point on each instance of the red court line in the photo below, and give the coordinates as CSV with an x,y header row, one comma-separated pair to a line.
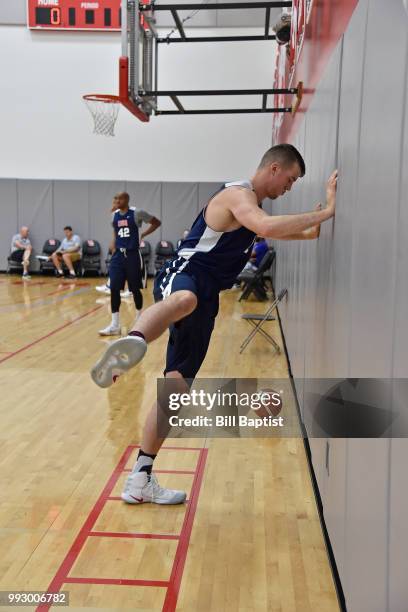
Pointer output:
x,y
173,585
117,581
168,471
187,448
32,284
55,331
143,536
170,601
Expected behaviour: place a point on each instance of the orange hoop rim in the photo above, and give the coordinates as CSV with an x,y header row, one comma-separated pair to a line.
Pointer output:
x,y
108,98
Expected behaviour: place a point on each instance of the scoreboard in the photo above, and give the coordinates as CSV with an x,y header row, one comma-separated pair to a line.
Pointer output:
x,y
74,14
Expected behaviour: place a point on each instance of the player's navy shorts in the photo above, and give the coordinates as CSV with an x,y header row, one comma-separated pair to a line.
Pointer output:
x,y
190,337
125,266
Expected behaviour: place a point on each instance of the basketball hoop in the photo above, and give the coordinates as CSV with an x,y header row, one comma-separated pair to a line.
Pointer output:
x,y
104,109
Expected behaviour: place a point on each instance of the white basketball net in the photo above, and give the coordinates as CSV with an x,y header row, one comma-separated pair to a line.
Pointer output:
x,y
104,113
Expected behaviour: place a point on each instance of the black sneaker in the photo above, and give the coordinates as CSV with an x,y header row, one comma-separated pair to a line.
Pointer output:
x,y
59,274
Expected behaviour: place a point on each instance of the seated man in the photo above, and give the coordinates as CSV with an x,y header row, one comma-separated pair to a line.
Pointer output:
x,y
180,240
258,252
21,250
68,252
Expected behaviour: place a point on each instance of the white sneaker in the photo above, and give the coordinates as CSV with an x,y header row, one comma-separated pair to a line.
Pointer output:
x,y
140,487
119,357
126,293
103,289
111,330
26,277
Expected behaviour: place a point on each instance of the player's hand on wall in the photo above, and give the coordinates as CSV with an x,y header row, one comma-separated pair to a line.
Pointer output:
x,y
316,229
331,192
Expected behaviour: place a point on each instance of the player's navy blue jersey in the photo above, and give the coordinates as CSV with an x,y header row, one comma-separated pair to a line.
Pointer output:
x,y
126,230
222,255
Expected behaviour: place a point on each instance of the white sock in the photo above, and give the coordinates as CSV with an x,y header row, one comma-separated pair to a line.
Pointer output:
x,y
143,462
115,319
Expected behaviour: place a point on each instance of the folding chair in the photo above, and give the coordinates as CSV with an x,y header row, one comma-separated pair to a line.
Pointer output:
x,y
253,281
13,265
49,247
164,251
257,320
91,257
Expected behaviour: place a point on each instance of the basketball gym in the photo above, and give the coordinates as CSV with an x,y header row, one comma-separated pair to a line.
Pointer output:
x,y
297,505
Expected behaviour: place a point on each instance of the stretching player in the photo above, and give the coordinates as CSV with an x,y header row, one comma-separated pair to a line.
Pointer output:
x,y
186,290
126,263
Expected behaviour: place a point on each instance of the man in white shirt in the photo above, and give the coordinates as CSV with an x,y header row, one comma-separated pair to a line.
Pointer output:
x,y
21,250
68,252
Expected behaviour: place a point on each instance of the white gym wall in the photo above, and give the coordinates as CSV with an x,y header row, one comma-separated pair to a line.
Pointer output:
x,y
46,129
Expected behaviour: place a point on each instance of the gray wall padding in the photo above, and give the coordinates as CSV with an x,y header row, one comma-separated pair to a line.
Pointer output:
x,y
179,208
148,196
35,209
71,207
346,313
9,221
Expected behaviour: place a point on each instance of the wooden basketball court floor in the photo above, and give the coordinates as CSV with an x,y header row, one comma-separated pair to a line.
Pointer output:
x,y
249,538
